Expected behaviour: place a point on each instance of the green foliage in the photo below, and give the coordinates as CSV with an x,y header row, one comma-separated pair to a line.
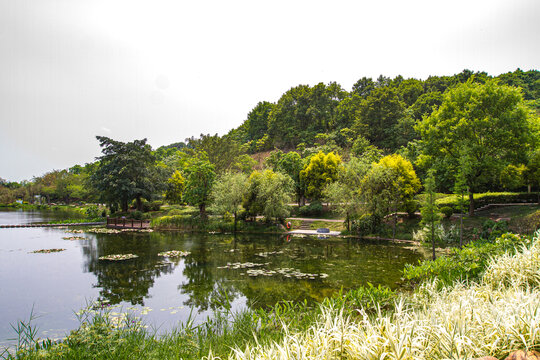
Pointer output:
x,y
126,171
488,124
367,224
200,177
430,210
389,184
313,209
228,193
321,170
447,211
468,263
513,177
268,194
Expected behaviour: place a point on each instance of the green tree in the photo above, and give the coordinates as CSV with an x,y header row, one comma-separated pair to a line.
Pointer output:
x,y
344,193
200,177
268,194
321,170
257,121
228,193
489,121
430,210
388,186
126,171
175,188
378,115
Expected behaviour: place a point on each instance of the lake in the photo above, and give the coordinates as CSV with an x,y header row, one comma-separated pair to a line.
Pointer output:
x,y
243,271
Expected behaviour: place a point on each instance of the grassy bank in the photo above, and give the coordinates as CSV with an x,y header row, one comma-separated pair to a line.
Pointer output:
x,y
213,224
442,318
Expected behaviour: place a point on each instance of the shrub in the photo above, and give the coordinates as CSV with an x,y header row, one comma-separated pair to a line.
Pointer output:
x,y
367,224
442,234
464,264
313,209
447,211
92,212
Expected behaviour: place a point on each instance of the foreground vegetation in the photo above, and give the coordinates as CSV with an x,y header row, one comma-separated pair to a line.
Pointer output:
x,y
487,309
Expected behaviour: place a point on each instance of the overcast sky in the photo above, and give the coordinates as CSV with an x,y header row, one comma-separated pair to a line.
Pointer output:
x,y
168,70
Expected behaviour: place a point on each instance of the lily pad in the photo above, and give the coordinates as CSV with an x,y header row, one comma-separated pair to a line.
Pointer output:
x,y
46,251
174,253
118,257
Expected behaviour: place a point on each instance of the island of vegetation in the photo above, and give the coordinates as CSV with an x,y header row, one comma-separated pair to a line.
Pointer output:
x,y
447,160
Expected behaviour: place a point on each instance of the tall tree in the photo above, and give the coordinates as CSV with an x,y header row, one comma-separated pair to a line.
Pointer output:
x,y
126,171
321,170
430,210
378,116
200,177
489,121
388,186
228,193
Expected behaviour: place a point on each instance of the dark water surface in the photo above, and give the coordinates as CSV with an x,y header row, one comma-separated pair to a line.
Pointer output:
x,y
165,290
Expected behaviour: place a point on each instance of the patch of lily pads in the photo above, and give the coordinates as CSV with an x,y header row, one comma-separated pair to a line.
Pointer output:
x,y
238,265
103,231
118,257
74,231
174,253
286,272
269,253
46,251
72,238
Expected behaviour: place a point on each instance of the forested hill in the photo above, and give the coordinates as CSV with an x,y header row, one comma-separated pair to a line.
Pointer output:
x,y
382,111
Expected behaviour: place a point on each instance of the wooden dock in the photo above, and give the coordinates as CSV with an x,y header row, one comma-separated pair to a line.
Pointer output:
x,y
123,223
49,225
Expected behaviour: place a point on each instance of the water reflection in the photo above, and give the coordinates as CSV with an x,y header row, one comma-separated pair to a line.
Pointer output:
x,y
205,282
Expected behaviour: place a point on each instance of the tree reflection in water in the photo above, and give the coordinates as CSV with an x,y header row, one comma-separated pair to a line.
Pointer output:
x,y
204,284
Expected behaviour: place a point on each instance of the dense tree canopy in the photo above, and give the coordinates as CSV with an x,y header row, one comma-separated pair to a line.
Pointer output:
x,y
488,124
126,171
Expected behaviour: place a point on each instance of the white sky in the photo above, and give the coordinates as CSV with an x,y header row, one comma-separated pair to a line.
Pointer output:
x,y
168,70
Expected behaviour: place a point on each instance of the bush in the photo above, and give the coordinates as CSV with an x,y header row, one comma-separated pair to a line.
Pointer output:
x,y
367,224
92,212
468,263
483,199
313,209
442,235
447,211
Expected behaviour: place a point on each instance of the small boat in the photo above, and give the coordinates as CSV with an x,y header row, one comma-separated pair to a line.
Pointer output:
x,y
323,230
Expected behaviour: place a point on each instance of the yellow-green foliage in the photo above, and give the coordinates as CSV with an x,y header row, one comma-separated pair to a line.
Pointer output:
x,y
406,178
321,170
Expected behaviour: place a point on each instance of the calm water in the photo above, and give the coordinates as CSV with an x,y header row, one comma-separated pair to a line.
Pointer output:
x,y
164,291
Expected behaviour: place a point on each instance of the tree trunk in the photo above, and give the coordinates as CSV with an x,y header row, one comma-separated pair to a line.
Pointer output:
x,y
461,230
139,203
124,205
433,239
202,211
234,231
471,203
348,223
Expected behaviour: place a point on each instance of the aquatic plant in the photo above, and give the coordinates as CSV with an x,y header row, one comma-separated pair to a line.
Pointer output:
x,y
118,257
74,238
174,253
46,251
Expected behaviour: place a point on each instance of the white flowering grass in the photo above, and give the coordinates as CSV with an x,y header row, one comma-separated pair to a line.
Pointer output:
x,y
465,321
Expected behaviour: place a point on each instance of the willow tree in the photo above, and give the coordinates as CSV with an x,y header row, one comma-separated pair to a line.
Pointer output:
x,y
388,186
